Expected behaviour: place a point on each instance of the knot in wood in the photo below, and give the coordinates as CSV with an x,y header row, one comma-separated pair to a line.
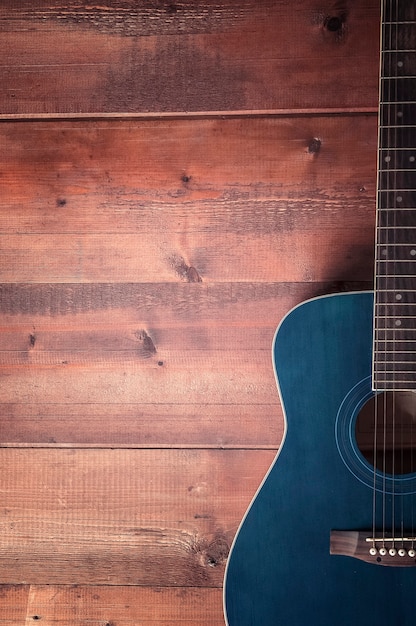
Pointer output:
x,y
314,145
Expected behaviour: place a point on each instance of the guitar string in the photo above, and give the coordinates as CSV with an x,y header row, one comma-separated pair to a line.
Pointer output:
x,y
395,327
399,423
378,284
387,63
377,280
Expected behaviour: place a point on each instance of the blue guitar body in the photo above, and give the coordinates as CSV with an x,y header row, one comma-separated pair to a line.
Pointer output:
x,y
280,571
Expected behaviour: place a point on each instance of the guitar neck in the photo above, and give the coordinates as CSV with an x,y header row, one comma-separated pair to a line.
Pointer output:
x,y
394,350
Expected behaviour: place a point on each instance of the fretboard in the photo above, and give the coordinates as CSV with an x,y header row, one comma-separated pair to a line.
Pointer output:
x,y
394,353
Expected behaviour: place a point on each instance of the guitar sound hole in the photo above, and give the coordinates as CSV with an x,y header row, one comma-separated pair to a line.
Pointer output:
x,y
393,416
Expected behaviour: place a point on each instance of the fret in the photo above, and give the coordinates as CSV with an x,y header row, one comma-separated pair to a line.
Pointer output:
x,y
397,148
401,77
397,307
391,213
397,102
394,217
396,170
392,306
392,381
398,349
389,126
405,374
387,333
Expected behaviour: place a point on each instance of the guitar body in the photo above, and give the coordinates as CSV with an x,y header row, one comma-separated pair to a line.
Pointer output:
x,y
280,571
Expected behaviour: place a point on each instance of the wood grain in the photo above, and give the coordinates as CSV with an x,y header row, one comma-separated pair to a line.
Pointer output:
x,y
188,176
122,203
110,605
142,365
119,57
13,603
123,517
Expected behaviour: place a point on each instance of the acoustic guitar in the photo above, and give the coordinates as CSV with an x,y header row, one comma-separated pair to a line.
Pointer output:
x,y
330,537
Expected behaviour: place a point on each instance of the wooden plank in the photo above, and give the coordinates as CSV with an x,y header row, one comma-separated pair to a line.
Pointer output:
x,y
245,175
156,425
199,372
266,202
123,517
156,56
226,379
89,258
124,606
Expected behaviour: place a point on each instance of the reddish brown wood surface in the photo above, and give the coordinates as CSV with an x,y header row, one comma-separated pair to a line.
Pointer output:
x,y
146,261
163,56
77,605
125,517
148,201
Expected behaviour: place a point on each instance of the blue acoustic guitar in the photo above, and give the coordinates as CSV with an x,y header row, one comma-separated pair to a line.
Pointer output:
x,y
330,537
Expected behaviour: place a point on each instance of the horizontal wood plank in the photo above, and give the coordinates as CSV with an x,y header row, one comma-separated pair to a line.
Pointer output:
x,y
123,517
122,606
184,177
143,365
119,57
229,200
298,257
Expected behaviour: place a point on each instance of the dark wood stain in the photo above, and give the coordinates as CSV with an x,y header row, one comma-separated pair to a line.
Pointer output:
x,y
135,82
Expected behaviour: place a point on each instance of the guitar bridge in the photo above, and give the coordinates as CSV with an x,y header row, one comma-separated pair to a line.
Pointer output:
x,y
387,551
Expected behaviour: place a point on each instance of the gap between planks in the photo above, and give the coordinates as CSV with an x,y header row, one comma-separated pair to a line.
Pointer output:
x,y
139,446
178,115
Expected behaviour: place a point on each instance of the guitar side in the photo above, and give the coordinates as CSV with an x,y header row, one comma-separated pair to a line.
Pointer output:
x,y
280,571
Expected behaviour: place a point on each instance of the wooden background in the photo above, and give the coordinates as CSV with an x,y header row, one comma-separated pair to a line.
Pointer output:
x,y
175,176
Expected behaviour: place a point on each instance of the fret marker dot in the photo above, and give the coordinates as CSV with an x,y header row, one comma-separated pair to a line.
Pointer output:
x,y
387,159
398,323
399,198
384,252
400,64
413,252
399,296
399,114
412,159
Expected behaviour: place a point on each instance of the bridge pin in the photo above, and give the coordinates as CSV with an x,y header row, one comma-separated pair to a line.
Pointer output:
x,y
411,553
392,551
382,551
402,552
373,551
